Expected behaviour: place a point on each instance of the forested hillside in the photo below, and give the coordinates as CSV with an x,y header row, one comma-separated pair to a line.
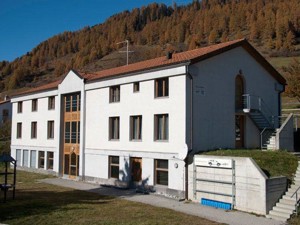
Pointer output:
x,y
273,26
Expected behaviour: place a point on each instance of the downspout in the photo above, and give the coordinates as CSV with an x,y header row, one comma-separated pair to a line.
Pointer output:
x,y
186,160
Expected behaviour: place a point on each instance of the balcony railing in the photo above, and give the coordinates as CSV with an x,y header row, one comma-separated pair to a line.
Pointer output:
x,y
254,103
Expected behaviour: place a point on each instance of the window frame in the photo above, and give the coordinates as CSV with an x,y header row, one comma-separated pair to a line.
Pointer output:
x,y
165,128
112,164
51,103
50,129
160,169
136,87
41,158
34,105
132,132
20,107
33,159
115,94
50,160
19,130
161,87
33,130
113,135
25,159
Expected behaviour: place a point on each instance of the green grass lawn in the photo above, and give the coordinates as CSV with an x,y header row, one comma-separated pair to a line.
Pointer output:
x,y
40,203
273,163
279,62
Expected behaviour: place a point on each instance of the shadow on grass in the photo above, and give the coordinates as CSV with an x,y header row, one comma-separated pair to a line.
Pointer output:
x,y
38,202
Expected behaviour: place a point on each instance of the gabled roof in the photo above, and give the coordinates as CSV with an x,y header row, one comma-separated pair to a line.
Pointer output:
x,y
4,101
188,58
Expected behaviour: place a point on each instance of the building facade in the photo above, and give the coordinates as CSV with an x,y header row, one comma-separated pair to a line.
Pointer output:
x,y
137,124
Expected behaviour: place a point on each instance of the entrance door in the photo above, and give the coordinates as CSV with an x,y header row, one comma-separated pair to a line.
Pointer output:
x,y
239,131
136,169
71,135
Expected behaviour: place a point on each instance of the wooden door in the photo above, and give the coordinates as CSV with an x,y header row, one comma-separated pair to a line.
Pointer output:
x,y
71,135
239,131
136,169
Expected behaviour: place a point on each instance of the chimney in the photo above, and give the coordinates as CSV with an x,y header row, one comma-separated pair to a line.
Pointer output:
x,y
169,55
6,98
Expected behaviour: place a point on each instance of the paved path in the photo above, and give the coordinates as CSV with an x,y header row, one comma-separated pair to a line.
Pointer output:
x,y
218,215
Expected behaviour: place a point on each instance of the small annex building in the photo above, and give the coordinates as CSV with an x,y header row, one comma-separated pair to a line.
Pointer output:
x,y
5,110
138,123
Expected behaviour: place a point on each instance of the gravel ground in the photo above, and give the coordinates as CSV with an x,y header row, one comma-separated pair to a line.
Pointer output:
x,y
218,215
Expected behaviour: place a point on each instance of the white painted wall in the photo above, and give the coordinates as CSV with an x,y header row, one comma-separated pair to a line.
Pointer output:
x,y
98,111
214,98
41,116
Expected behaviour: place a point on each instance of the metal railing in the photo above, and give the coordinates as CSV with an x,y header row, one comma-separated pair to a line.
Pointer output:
x,y
297,200
256,103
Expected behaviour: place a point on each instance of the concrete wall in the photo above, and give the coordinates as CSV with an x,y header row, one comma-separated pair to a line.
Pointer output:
x,y
285,135
275,187
253,190
214,98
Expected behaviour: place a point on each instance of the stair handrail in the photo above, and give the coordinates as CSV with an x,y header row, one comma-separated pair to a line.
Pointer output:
x,y
261,138
261,106
297,201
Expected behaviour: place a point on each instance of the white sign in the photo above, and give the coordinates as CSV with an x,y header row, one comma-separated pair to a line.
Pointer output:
x,y
213,162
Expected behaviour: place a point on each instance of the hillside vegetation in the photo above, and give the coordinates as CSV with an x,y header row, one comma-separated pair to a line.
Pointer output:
x,y
273,26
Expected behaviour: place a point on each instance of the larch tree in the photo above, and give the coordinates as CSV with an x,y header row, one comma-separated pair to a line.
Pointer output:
x,y
293,79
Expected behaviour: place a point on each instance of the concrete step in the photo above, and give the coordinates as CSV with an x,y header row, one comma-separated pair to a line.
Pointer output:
x,y
282,205
289,198
281,214
271,147
284,210
287,201
279,218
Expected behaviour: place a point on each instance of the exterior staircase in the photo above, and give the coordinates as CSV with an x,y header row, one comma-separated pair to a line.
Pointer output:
x,y
289,202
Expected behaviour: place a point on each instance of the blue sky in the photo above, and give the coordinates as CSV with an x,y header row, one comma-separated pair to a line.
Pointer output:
x,y
26,23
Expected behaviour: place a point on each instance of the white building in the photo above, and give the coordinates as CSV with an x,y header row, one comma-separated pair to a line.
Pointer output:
x,y
138,123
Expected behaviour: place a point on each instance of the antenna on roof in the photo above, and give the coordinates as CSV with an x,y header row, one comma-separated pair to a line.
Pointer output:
x,y
127,48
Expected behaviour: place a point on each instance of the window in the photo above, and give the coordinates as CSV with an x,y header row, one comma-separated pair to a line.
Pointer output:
x,y
162,87
41,159
161,127
114,128
136,87
25,158
72,103
20,107
161,172
114,167
135,127
18,156
33,129
32,159
72,132
51,102
50,160
4,115
34,106
50,132
114,94
19,130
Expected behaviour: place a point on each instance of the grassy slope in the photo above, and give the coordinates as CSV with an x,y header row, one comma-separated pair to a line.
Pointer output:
x,y
40,203
273,163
